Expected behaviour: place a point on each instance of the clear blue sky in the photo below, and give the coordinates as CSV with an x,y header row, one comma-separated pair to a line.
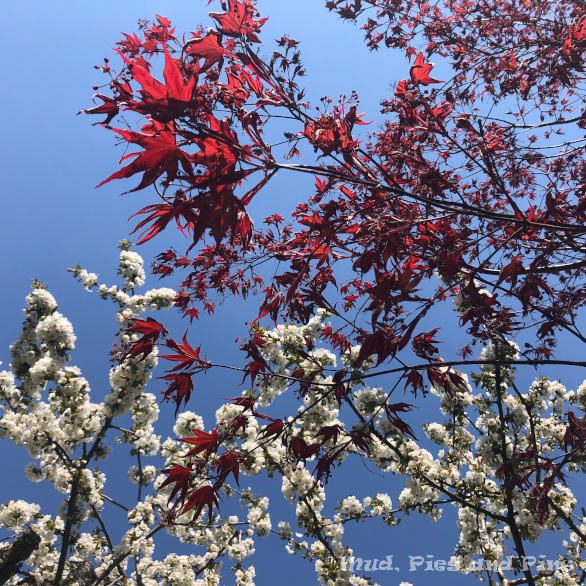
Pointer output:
x,y
53,218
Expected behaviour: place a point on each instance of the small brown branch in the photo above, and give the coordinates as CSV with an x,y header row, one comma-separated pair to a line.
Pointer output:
x,y
120,558
511,520
551,269
420,366
71,505
111,500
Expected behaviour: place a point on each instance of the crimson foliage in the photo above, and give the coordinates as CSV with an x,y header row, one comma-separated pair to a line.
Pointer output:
x,y
472,190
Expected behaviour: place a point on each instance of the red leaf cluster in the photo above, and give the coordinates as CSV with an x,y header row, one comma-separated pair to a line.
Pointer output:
x,y
444,201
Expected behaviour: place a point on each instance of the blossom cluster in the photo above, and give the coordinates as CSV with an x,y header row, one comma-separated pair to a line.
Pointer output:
x,y
498,458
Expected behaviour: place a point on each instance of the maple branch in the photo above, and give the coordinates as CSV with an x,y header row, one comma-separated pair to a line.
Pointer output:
x,y
537,124
452,206
558,321
419,366
551,269
558,146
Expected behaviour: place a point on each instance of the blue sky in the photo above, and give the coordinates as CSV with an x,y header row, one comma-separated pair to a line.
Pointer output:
x,y
54,218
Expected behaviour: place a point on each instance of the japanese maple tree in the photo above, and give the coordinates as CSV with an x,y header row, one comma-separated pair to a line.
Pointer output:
x,y
462,194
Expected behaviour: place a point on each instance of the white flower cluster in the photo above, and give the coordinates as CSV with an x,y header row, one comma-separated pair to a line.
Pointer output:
x,y
494,453
283,343
131,269
46,407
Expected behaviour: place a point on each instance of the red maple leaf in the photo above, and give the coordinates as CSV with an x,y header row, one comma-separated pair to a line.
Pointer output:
x,y
240,422
271,305
298,446
323,470
423,344
150,329
203,442
258,363
142,349
272,430
221,212
163,21
382,342
186,354
181,475
130,45
228,462
161,155
162,213
575,434
391,412
163,101
109,107
238,21
218,149
511,271
181,385
415,379
247,403
301,450
208,48
205,496
420,72
330,432
359,439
